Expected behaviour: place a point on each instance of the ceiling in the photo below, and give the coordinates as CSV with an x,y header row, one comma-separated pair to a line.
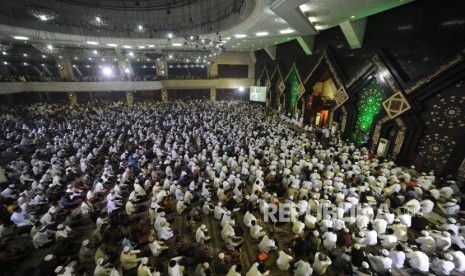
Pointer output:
x,y
148,28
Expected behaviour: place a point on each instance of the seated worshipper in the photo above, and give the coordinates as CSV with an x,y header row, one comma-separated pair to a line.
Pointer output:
x,y
390,240
202,269
283,261
458,258
302,268
267,244
21,220
419,222
417,260
426,242
174,268
102,269
144,270
219,264
248,218
218,211
200,236
129,259
358,255
443,266
86,255
363,270
156,247
42,237
329,239
234,270
443,239
256,230
400,230
165,232
321,263
397,256
256,270
180,206
298,226
381,264
229,237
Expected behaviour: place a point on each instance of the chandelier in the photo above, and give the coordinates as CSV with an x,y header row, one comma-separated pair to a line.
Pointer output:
x,y
48,49
99,21
41,13
191,38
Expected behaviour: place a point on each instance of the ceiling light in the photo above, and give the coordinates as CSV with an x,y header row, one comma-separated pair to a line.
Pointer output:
x,y
44,56
240,35
127,47
60,57
286,31
75,58
18,37
151,46
305,8
98,19
131,54
170,56
24,55
177,44
95,52
4,53
107,71
25,64
90,58
140,27
112,45
126,70
262,33
92,42
141,47
74,65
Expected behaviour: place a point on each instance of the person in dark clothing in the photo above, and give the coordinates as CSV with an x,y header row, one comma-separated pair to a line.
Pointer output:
x,y
358,255
395,201
344,238
419,222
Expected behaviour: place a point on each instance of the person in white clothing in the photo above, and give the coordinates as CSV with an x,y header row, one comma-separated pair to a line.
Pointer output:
x,y
381,264
283,261
174,268
418,260
397,256
443,266
200,236
302,268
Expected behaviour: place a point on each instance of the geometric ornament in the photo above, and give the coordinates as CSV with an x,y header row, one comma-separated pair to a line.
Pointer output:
x,y
268,84
301,90
396,105
258,82
340,97
281,86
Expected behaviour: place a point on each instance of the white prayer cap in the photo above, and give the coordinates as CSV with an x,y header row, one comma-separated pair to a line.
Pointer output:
x,y
144,260
384,252
206,265
452,220
448,257
425,233
153,205
316,233
203,227
60,226
365,265
445,234
221,256
48,258
126,249
58,269
11,186
100,261
85,242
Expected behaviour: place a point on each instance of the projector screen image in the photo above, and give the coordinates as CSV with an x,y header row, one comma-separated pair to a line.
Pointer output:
x,y
258,93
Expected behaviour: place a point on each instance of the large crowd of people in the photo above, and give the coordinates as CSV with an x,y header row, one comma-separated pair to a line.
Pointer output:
x,y
212,188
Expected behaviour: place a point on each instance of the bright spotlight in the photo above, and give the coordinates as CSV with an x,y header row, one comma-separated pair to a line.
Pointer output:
x,y
126,70
240,89
107,71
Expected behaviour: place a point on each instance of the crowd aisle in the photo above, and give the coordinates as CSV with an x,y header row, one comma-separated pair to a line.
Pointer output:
x,y
211,188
